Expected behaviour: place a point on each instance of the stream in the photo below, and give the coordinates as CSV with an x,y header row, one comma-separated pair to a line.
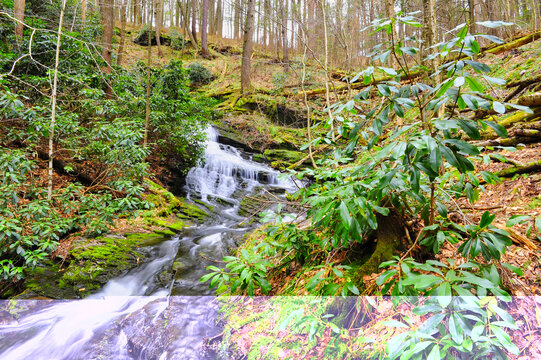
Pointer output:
x,y
159,310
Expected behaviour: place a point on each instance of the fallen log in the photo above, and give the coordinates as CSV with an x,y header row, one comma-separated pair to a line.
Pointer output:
x,y
530,100
524,82
353,86
60,166
521,169
515,44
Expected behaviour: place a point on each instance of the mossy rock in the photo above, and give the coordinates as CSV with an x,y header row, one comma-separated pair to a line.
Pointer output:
x,y
284,158
95,261
173,225
146,239
168,204
46,281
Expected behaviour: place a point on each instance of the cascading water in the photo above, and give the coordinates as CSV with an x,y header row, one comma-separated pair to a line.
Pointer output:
x,y
133,316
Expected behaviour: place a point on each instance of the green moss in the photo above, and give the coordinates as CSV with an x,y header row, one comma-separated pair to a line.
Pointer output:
x,y
145,239
284,158
174,226
168,204
165,232
535,203
95,261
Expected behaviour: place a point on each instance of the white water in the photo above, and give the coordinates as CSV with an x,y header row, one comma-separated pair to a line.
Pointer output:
x,y
226,171
133,317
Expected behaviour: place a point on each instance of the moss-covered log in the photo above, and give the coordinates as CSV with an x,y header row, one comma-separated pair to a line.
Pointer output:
x,y
353,86
521,169
530,100
515,44
524,82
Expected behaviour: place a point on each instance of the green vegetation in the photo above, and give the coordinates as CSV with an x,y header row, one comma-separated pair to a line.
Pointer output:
x,y
99,160
394,180
199,75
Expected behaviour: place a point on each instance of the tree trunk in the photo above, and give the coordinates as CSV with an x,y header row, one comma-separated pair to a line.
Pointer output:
x,y
53,105
204,25
285,45
19,7
123,8
471,12
159,24
219,19
147,107
247,47
107,12
390,241
390,13
311,24
236,20
83,13
194,22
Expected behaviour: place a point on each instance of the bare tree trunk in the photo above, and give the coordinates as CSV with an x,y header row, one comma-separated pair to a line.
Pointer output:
x,y
147,107
327,75
171,13
18,8
53,105
204,25
123,8
107,11
247,47
390,13
219,19
430,26
236,20
194,22
471,12
159,24
311,24
285,44
83,13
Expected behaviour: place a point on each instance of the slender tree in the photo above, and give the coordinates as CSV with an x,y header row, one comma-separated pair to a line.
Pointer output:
x,y
107,14
159,23
471,12
247,47
194,21
204,29
19,7
285,45
83,13
123,8
53,105
147,107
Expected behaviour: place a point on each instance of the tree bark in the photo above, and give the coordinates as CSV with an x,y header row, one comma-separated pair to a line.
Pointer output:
x,y
203,30
247,48
18,8
285,45
53,105
530,100
123,8
107,12
471,13
194,22
159,24
147,107
83,13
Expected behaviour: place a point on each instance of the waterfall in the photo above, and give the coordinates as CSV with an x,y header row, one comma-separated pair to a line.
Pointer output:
x,y
132,316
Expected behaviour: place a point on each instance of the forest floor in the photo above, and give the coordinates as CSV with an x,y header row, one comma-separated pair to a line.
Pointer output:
x,y
519,195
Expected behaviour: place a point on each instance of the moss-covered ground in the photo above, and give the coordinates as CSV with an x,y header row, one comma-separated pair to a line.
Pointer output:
x,y
92,261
